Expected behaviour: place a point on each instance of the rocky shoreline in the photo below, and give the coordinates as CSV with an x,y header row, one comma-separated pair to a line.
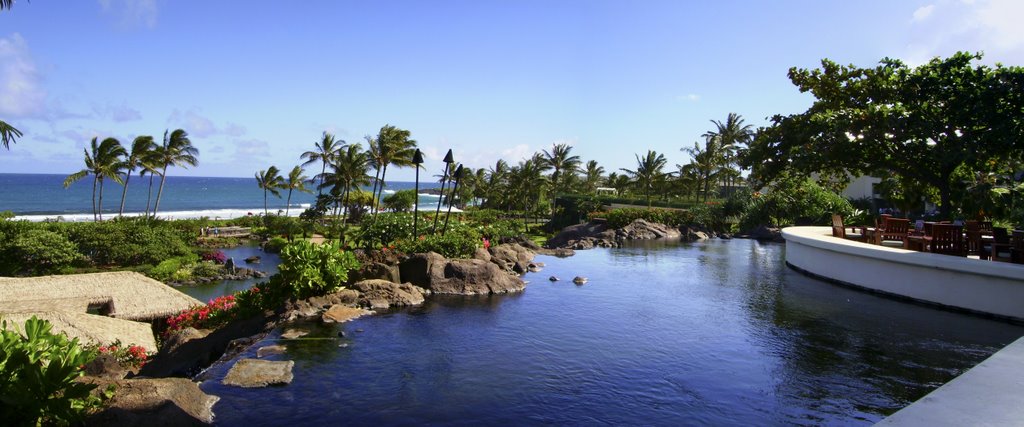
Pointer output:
x,y
598,234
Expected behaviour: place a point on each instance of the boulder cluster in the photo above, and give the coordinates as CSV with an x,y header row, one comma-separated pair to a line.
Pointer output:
x,y
600,234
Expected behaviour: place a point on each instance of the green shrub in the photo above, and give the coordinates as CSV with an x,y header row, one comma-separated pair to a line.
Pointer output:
x,y
127,241
794,201
312,270
41,251
503,228
168,269
401,201
207,269
38,369
460,241
269,295
618,218
385,228
275,245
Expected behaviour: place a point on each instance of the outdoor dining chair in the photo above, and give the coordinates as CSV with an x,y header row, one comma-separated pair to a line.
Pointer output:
x,y
948,239
975,246
893,229
1017,247
999,249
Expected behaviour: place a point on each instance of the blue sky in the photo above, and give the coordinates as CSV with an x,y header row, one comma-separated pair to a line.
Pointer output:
x,y
255,84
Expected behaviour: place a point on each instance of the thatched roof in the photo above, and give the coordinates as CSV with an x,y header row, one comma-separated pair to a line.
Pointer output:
x,y
129,295
88,328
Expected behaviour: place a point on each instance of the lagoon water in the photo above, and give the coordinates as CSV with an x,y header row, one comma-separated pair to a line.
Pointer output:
x,y
715,333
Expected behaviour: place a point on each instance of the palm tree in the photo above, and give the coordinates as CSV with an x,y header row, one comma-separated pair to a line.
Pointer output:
x,y
561,162
648,171
270,181
177,150
395,148
374,159
593,179
104,162
142,146
348,171
296,182
326,150
705,164
150,166
728,137
527,183
8,134
497,178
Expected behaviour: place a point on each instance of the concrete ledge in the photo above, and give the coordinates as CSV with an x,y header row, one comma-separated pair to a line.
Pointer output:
x,y
987,395
984,287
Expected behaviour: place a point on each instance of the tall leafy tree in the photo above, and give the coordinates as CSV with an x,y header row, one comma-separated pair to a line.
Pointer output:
x,y
142,147
593,178
922,123
395,148
375,159
177,150
327,148
705,164
649,170
348,171
296,182
270,181
103,161
730,137
561,163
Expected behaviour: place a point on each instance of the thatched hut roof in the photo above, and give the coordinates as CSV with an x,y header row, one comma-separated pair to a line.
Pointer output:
x,y
129,295
88,328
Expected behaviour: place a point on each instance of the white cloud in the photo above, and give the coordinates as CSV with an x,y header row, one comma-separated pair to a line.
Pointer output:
x,y
132,13
989,26
117,113
690,97
201,126
922,13
251,149
517,153
20,92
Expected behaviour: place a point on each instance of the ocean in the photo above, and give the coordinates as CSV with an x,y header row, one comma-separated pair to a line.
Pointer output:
x,y
36,197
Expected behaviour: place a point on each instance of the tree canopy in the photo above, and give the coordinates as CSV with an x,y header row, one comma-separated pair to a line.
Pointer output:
x,y
919,123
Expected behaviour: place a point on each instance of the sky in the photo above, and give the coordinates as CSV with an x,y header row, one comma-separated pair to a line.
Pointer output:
x,y
256,83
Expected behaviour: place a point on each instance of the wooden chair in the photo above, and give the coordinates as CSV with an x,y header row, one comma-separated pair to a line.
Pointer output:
x,y
948,239
837,226
893,229
1000,245
1017,247
975,246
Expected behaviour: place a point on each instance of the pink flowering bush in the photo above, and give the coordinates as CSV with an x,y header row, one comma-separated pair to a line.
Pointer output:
x,y
127,355
216,256
215,313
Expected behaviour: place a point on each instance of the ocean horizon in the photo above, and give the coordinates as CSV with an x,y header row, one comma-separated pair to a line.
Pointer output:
x,y
38,197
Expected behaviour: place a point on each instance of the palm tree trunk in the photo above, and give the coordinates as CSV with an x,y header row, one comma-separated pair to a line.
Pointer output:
x,y
344,219
94,179
160,192
149,195
288,204
124,192
265,214
100,206
376,174
383,174
323,170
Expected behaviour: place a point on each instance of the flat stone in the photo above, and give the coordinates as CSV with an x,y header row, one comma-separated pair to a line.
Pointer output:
x,y
270,349
340,313
252,373
290,334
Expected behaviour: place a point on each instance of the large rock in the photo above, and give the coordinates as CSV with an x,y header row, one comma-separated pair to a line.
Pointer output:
x,y
641,229
375,270
315,306
252,373
584,236
188,358
179,337
105,366
464,276
405,294
512,257
155,402
764,233
340,313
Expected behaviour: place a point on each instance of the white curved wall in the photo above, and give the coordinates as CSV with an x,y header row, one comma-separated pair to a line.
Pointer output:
x,y
995,288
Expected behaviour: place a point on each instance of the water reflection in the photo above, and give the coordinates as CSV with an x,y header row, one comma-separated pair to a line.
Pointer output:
x,y
710,333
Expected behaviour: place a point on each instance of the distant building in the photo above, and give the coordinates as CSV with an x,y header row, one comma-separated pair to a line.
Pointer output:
x,y
862,187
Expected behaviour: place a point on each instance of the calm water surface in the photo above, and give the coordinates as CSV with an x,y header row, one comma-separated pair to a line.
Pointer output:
x,y
208,291
716,333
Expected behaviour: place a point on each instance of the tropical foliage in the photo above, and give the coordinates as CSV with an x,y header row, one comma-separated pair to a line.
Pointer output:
x,y
38,369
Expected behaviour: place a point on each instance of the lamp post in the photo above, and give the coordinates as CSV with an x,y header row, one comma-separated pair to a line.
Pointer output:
x,y
417,160
458,177
448,161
